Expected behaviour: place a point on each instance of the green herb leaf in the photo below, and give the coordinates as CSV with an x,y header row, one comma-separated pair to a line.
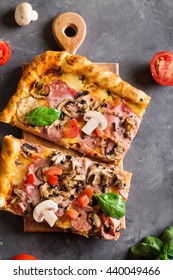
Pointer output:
x,y
167,234
168,248
112,204
149,248
43,116
162,256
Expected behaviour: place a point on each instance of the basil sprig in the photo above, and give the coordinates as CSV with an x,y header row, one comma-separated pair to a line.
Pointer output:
x,y
43,116
152,247
112,204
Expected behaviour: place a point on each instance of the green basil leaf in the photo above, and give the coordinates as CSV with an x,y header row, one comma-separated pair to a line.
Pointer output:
x,y
168,248
154,241
167,234
149,248
43,116
162,256
112,204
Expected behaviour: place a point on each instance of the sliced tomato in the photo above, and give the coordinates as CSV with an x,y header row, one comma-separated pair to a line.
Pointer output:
x,y
73,130
83,200
73,214
99,132
4,52
23,257
88,191
37,155
30,179
53,180
54,171
73,123
161,66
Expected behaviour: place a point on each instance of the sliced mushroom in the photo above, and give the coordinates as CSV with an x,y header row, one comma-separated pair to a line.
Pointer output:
x,y
25,106
95,221
94,119
39,90
44,190
129,125
45,210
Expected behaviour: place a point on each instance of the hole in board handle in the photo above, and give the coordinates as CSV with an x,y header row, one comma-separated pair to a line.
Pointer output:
x,y
70,31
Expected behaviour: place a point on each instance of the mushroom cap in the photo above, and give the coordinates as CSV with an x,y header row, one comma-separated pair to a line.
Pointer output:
x,y
102,121
24,14
42,206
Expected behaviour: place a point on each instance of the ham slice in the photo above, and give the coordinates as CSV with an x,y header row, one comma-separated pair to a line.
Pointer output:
x,y
58,91
109,228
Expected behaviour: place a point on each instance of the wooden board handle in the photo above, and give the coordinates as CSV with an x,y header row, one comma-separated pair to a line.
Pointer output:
x,y
69,31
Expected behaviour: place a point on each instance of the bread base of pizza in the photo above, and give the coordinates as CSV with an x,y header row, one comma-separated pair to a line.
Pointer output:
x,y
67,192
72,102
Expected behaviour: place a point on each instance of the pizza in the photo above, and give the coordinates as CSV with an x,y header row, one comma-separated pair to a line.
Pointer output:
x,y
68,192
74,103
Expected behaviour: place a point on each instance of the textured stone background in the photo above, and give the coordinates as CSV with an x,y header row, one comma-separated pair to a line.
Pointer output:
x,y
129,32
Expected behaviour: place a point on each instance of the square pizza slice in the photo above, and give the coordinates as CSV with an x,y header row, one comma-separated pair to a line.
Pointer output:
x,y
65,191
74,103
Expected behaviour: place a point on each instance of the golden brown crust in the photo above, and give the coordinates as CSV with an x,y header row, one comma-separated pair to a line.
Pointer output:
x,y
79,65
107,80
10,150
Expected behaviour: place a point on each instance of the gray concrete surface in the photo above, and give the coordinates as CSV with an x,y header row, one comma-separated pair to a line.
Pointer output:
x,y
129,32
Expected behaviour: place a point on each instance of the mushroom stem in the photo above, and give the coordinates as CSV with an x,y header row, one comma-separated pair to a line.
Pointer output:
x,y
90,126
34,15
50,217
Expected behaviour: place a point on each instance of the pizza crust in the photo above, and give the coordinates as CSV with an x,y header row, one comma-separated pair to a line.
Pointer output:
x,y
10,151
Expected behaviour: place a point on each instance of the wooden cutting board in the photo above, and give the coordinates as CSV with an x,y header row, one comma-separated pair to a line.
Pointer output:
x,y
76,25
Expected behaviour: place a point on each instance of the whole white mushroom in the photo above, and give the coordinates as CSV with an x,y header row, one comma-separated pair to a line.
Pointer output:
x,y
24,14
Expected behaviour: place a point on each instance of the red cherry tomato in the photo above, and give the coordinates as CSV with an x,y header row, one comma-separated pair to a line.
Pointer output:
x,y
161,66
4,52
23,257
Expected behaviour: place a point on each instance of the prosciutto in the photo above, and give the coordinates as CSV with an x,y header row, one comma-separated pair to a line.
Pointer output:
x,y
109,228
58,91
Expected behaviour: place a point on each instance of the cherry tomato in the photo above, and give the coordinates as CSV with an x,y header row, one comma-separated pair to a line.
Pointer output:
x,y
88,191
73,214
30,179
161,66
73,130
23,257
54,171
83,200
4,52
53,180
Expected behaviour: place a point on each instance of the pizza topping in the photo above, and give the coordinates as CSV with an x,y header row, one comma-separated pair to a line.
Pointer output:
x,y
39,90
94,119
73,214
81,224
25,106
112,204
43,116
29,149
32,192
58,91
45,210
109,228
30,179
72,130
95,221
33,169
129,125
